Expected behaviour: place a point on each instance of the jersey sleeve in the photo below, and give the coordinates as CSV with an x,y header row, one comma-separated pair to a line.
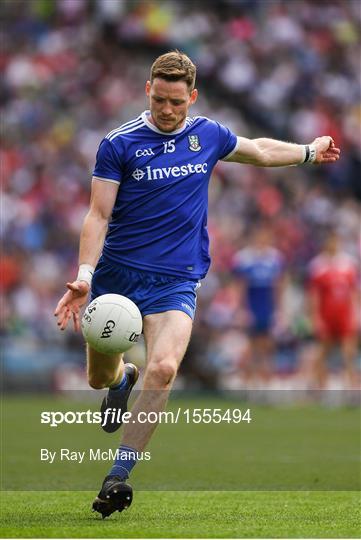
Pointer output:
x,y
227,141
108,162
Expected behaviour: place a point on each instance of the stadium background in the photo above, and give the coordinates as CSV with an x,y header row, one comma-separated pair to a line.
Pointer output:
x,y
75,69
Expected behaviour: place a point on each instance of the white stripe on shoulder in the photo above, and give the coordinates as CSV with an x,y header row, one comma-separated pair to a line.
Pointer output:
x,y
129,123
122,130
106,180
125,131
124,126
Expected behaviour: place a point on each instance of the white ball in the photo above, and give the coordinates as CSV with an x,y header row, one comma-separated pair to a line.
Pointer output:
x,y
111,324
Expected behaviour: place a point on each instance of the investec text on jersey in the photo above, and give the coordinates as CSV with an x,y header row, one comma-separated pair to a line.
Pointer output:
x,y
167,172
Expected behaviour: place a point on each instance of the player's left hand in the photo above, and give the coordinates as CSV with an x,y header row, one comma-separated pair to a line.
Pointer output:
x,y
69,305
326,150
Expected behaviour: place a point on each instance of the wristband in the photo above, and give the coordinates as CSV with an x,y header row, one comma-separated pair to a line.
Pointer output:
x,y
309,153
85,273
313,153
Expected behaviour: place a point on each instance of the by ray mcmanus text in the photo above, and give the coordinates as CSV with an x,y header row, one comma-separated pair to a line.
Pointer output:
x,y
91,454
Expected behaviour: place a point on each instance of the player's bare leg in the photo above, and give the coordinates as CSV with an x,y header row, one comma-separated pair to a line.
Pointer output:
x,y
109,371
320,364
306,365
103,370
166,336
262,351
349,351
247,365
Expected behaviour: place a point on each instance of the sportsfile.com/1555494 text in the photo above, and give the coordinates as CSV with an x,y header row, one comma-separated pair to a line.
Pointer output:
x,y
189,416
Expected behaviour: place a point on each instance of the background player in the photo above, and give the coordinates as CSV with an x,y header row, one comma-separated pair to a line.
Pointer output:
x,y
156,244
259,268
333,300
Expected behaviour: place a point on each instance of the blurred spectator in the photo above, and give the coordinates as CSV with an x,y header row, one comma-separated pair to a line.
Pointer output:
x,y
260,272
334,308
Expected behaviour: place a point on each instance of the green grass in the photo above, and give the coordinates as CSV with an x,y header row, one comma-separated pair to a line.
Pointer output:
x,y
184,515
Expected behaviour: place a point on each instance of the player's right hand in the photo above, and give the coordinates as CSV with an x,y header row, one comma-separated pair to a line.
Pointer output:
x,y
69,305
326,150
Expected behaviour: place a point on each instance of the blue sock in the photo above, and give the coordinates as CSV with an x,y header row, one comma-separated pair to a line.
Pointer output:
x,y
121,385
124,462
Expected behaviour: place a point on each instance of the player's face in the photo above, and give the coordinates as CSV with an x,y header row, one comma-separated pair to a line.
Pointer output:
x,y
169,103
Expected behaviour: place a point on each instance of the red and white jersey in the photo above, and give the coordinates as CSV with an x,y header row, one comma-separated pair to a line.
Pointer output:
x,y
335,280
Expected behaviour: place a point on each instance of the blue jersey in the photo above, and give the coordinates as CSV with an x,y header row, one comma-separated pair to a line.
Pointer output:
x,y
261,270
159,220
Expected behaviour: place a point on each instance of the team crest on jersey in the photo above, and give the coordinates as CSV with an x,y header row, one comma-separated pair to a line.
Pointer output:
x,y
194,143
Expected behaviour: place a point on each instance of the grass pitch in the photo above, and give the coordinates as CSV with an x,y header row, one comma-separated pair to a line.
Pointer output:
x,y
184,515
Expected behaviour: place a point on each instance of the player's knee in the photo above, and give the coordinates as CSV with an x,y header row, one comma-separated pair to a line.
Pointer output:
x,y
163,372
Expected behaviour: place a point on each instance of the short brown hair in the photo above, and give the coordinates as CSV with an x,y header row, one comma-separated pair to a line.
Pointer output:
x,y
174,66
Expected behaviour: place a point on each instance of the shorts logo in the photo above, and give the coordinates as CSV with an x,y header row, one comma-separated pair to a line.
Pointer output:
x,y
138,174
144,152
194,143
187,307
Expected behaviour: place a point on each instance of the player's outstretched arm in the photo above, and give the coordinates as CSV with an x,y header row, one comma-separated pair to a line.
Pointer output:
x,y
272,153
92,237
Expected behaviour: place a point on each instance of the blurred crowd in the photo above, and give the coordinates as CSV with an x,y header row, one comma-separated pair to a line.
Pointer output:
x,y
75,69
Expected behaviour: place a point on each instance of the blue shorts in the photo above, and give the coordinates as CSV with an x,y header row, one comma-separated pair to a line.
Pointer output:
x,y
152,293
